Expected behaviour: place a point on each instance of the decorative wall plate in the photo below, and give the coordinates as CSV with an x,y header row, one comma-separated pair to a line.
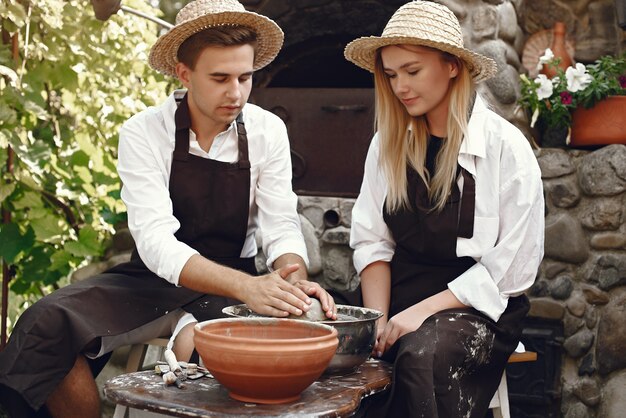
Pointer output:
x,y
535,47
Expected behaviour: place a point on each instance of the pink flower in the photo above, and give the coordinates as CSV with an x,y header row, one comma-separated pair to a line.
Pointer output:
x,y
622,81
566,98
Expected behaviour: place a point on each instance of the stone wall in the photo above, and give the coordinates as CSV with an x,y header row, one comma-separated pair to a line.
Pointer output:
x,y
582,280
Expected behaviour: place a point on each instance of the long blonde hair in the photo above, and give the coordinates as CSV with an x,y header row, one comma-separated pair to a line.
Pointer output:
x,y
401,146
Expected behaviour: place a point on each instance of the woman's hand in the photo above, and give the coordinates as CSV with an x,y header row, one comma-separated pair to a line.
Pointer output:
x,y
380,327
412,318
402,323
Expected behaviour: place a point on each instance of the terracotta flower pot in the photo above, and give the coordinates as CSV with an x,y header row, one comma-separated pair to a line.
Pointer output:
x,y
265,360
603,124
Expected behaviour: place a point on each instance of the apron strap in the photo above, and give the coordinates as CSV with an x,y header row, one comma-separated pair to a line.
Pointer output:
x,y
182,117
468,200
242,142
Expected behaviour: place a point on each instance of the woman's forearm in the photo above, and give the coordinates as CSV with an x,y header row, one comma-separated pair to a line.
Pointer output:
x,y
376,287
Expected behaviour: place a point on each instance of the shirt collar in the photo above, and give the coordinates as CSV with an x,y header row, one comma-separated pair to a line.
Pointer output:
x,y
473,144
169,110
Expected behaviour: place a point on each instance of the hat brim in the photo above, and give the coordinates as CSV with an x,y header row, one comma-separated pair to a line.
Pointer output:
x,y
362,52
269,38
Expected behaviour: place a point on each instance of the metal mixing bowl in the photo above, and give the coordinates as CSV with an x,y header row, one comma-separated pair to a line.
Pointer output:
x,y
356,329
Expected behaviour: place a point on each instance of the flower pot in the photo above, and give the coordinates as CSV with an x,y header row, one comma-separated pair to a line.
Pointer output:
x,y
603,124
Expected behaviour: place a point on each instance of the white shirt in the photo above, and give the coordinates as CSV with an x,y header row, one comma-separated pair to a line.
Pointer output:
x,y
508,220
145,159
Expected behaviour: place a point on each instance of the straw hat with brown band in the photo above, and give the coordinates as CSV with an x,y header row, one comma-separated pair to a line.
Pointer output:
x,y
202,14
421,23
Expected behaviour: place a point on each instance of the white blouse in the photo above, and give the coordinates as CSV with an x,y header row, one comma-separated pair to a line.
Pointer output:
x,y
508,220
144,163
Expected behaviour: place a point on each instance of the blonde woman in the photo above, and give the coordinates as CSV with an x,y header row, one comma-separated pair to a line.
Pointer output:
x,y
448,226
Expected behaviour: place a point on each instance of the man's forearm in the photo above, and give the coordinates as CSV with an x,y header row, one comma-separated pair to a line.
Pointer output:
x,y
291,258
206,276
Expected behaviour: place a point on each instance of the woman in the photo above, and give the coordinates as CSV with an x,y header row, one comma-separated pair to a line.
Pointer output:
x,y
448,227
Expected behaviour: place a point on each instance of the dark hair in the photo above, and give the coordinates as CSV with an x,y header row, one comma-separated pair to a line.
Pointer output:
x,y
227,35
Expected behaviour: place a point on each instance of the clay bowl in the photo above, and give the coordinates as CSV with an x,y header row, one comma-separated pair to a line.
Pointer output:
x,y
265,360
356,329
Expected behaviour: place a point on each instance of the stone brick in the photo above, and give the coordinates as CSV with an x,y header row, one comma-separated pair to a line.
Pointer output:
x,y
612,334
603,172
603,214
594,296
578,344
607,270
613,403
565,239
546,308
588,391
561,287
608,241
555,162
563,193
576,305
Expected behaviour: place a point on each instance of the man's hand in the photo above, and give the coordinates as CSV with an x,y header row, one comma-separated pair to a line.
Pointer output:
x,y
299,278
315,290
272,295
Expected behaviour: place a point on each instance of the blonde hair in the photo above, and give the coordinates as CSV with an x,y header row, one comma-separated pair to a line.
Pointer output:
x,y
401,147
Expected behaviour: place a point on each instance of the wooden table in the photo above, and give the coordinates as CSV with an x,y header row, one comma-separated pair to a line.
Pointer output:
x,y
329,396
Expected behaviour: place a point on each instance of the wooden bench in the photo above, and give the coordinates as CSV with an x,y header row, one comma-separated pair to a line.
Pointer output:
x,y
499,403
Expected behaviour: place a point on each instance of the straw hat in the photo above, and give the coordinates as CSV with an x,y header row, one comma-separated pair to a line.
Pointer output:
x,y
421,23
202,14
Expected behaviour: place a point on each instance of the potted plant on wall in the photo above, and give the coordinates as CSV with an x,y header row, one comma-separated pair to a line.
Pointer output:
x,y
583,105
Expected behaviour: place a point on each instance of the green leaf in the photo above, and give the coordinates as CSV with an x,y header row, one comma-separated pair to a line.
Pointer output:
x,y
62,261
8,116
16,14
5,190
47,228
89,237
28,200
36,264
12,242
87,244
79,158
84,174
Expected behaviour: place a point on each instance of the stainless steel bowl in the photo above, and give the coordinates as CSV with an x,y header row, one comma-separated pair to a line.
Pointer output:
x,y
356,328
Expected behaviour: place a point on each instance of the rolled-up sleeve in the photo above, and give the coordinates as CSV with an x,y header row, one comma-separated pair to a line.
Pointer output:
x,y
510,266
369,236
279,222
146,195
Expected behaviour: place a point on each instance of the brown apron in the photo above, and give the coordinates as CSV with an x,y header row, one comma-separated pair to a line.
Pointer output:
x,y
211,200
451,366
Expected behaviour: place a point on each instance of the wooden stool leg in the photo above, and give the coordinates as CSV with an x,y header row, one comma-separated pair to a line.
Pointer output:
x,y
500,401
120,411
136,356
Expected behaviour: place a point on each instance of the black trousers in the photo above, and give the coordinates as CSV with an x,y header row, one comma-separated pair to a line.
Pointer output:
x,y
451,366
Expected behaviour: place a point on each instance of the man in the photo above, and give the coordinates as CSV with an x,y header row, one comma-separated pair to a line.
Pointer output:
x,y
200,173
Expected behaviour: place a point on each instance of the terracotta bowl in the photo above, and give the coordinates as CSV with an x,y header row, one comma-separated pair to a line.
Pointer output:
x,y
265,360
356,329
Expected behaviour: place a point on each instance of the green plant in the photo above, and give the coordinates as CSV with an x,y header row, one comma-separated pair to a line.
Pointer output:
x,y
551,101
75,81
